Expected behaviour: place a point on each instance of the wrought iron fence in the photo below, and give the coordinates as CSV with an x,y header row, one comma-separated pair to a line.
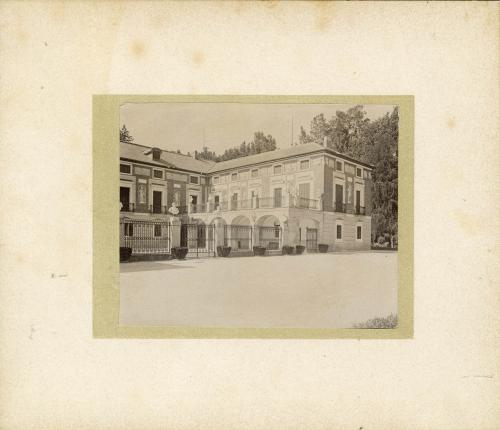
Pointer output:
x,y
145,237
198,238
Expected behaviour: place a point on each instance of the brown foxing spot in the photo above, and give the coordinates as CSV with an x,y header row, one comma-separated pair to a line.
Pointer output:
x,y
198,58
324,15
451,123
138,48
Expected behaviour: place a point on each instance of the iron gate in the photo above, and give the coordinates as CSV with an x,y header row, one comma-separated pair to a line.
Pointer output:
x,y
311,239
198,238
145,237
238,237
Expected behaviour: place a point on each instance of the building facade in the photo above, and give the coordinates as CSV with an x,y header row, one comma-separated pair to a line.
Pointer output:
x,y
302,195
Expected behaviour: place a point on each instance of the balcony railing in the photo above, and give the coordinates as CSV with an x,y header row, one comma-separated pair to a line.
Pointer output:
x,y
127,207
360,210
157,209
339,207
256,203
302,202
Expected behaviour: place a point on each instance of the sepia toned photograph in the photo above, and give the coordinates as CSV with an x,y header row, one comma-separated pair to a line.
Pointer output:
x,y
259,215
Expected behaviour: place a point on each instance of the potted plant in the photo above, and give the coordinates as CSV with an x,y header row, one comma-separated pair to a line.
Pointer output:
x,y
299,249
287,250
180,252
223,250
259,250
125,253
322,247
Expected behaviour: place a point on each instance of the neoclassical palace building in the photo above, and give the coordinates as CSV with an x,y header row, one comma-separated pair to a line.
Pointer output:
x,y
302,195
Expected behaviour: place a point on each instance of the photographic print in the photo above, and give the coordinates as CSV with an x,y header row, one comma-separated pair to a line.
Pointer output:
x,y
258,215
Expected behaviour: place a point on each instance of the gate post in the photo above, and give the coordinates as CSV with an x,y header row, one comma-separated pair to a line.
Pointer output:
x,y
175,231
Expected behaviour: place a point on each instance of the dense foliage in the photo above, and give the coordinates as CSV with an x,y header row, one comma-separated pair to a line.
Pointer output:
x,y
125,136
260,143
374,142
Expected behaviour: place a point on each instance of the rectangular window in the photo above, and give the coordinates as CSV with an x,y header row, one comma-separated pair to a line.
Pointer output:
x,y
358,172
255,173
157,230
276,231
277,170
194,179
358,232
125,168
339,231
216,179
304,164
158,174
234,176
338,166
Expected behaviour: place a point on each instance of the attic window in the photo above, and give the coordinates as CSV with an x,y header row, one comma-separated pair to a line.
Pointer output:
x,y
156,153
125,168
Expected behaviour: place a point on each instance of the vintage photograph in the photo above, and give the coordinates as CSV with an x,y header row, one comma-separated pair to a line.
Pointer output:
x,y
259,215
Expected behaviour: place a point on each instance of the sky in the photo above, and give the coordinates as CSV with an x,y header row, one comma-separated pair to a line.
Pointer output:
x,y
219,126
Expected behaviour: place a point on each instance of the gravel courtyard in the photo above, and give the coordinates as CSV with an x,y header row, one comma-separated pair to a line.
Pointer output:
x,y
308,291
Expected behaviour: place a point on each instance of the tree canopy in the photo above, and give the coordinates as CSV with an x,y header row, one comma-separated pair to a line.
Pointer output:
x,y
260,143
125,135
375,142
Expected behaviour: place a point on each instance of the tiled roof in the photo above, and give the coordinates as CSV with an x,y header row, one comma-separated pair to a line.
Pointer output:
x,y
172,160
264,157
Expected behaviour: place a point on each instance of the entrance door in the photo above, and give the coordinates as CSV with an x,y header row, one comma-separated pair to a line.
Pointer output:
x,y
125,199
157,202
339,198
277,197
358,201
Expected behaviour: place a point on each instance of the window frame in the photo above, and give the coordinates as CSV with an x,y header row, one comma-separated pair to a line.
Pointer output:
x,y
274,169
360,227
337,164
233,175
337,225
305,161
216,180
252,173
360,172
158,177
129,165
191,177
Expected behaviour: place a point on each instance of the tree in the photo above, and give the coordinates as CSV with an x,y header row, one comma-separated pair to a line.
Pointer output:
x,y
374,142
125,136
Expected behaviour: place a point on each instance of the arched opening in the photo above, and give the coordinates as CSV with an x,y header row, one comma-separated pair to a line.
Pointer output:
x,y
269,232
238,235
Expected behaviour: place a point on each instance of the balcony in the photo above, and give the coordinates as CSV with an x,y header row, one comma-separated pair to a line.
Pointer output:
x,y
255,203
360,210
127,207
